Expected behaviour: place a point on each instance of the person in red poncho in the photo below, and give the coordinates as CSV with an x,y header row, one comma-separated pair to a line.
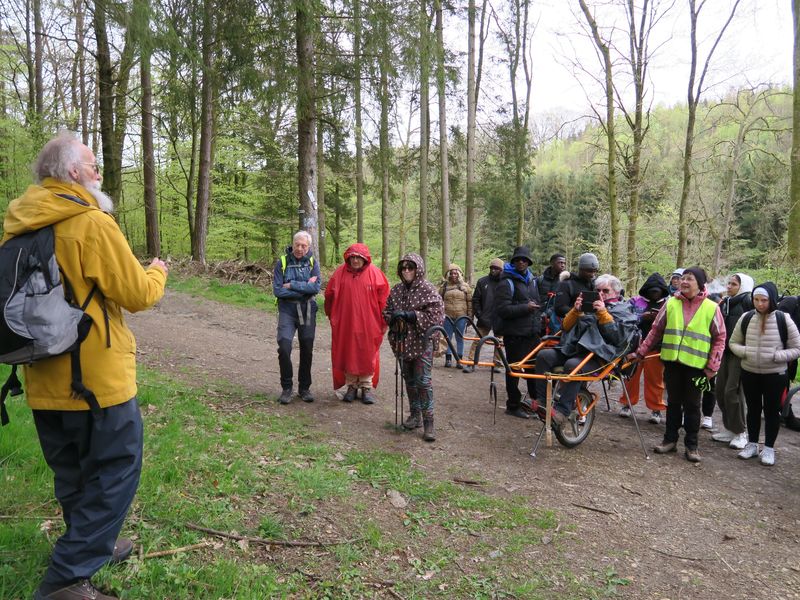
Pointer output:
x,y
354,299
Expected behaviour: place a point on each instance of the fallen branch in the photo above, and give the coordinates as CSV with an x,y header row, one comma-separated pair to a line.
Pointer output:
x,y
266,542
725,561
467,481
592,508
160,553
38,517
692,558
627,489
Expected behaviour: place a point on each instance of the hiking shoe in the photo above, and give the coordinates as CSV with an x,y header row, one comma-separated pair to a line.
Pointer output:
x,y
429,434
692,455
306,395
83,590
726,435
497,369
518,412
286,397
558,418
122,550
625,412
367,397
739,441
655,417
350,394
413,421
448,361
666,447
707,423
467,369
767,456
750,450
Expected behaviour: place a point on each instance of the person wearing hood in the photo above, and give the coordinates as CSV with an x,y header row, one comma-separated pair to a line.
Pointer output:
x,y
691,331
729,393
608,329
457,296
296,281
95,454
414,306
483,305
675,281
757,341
354,300
517,319
582,281
652,296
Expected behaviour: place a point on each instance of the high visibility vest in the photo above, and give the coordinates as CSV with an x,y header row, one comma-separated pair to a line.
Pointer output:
x,y
688,344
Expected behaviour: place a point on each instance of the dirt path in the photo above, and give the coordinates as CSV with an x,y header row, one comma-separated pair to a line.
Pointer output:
x,y
722,529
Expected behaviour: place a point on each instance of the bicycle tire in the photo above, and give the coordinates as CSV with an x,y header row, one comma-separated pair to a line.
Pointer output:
x,y
573,433
788,404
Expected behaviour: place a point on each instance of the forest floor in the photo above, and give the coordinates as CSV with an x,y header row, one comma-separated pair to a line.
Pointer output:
x,y
662,528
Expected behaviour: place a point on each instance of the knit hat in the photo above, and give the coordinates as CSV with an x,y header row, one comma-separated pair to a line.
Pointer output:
x,y
588,261
760,291
496,262
770,290
699,275
521,252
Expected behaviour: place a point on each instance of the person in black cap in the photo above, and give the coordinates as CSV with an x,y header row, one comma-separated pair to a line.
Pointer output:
x,y
582,281
517,319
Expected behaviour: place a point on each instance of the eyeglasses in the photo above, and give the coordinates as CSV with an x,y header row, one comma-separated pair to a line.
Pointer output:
x,y
94,166
408,267
605,290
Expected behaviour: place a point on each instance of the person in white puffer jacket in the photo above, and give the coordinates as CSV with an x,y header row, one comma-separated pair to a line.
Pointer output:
x,y
764,362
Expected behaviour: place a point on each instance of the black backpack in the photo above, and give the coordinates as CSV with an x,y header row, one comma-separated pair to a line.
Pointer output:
x,y
40,317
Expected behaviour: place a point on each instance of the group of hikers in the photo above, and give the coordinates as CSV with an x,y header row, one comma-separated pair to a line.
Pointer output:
x,y
738,351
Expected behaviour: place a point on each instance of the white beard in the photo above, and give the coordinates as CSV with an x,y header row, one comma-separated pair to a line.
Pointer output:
x,y
105,203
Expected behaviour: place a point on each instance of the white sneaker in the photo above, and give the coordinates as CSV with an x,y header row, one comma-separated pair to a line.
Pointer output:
x,y
726,435
739,441
707,423
655,417
625,412
750,450
767,456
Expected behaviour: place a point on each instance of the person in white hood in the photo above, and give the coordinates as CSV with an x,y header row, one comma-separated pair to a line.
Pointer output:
x,y
730,396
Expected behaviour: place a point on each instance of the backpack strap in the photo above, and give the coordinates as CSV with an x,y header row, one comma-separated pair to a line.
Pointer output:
x,y
780,317
13,386
746,318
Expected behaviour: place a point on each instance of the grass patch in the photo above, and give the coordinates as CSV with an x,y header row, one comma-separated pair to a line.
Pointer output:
x,y
238,294
267,474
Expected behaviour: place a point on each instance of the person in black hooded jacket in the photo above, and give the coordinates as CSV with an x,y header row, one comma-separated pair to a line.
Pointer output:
x,y
517,319
582,281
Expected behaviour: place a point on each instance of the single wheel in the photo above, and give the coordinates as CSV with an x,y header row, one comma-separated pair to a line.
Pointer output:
x,y
787,406
575,430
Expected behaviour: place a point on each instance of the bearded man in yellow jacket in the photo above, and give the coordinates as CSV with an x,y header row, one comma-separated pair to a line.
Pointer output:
x,y
96,457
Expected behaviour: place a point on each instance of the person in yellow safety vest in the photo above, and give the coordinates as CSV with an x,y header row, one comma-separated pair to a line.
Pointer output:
x,y
691,330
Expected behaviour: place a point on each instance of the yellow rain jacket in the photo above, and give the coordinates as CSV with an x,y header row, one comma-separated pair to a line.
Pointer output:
x,y
90,249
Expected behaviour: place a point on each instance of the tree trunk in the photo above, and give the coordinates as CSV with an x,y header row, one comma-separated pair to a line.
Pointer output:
x,y
384,149
29,64
206,136
148,160
38,45
105,96
306,120
424,126
794,211
358,131
323,256
80,59
443,157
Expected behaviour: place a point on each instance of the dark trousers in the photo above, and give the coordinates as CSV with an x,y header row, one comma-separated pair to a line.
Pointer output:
x,y
301,318
417,375
546,361
96,464
518,348
709,399
683,405
763,392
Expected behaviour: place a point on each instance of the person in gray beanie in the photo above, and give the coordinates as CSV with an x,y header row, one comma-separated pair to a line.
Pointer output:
x,y
582,281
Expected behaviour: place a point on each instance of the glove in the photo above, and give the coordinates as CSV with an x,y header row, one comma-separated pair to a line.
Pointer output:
x,y
410,317
396,316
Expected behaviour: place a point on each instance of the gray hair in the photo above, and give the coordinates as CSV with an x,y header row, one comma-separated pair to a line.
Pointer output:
x,y
608,280
57,158
302,234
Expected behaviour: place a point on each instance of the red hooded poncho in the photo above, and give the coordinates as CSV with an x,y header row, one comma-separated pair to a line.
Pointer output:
x,y
353,303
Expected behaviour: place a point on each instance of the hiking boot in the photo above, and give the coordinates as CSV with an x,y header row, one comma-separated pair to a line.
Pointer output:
x,y
448,361
414,420
122,550
518,412
83,590
767,456
655,417
350,395
692,455
725,436
750,450
467,369
625,412
559,418
429,435
707,423
497,369
306,395
739,441
666,447
367,397
286,397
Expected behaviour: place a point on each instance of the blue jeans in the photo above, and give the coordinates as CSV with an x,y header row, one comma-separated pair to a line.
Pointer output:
x,y
96,466
448,327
